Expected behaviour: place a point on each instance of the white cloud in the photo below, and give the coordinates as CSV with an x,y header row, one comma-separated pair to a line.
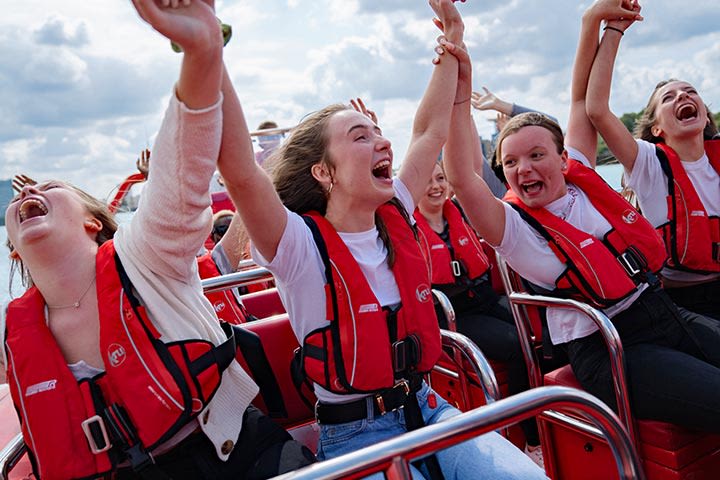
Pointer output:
x,y
83,84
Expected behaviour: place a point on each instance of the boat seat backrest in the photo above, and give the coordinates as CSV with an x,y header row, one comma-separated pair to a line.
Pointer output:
x,y
264,303
279,344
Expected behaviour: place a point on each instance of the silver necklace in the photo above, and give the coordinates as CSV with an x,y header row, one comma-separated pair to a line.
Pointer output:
x,y
76,304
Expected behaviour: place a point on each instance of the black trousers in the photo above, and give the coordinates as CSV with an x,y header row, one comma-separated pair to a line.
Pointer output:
x,y
263,450
484,319
703,299
672,362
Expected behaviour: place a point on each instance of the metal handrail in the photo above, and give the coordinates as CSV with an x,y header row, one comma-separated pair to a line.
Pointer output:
x,y
236,279
607,330
10,454
394,455
460,343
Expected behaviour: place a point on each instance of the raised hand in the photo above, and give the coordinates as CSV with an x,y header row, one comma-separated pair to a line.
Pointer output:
x,y
618,14
463,92
359,105
189,23
624,22
143,162
489,101
448,19
20,180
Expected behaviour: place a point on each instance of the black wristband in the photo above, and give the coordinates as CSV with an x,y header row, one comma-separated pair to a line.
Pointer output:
x,y
608,27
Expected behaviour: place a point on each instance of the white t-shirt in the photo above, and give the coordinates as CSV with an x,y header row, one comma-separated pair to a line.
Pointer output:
x,y
528,253
300,275
649,183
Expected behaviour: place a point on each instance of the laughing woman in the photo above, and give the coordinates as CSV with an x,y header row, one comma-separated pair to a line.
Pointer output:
x,y
674,169
116,362
566,231
349,268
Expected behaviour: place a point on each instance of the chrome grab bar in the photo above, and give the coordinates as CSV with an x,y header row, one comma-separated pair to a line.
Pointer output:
x,y
392,456
236,279
10,454
607,330
460,343
464,347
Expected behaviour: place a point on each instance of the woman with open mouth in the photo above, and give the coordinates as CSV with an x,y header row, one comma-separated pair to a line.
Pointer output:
x,y
674,169
117,364
568,233
336,233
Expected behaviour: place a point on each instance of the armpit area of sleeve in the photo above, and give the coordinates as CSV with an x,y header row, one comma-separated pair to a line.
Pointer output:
x,y
284,246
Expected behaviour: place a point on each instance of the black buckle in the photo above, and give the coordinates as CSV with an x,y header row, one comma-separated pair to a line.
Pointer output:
x,y
96,434
405,354
139,458
716,251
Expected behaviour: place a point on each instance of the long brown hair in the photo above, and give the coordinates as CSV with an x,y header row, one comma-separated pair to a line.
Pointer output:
x,y
306,146
95,207
644,124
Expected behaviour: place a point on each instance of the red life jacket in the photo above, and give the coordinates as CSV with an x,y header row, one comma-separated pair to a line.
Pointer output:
x,y
358,352
692,237
148,392
227,307
467,261
604,271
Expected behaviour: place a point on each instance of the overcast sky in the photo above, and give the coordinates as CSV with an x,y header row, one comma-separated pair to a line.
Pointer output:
x,y
83,84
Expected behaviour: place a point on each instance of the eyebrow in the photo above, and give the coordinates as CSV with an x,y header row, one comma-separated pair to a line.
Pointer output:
x,y
365,127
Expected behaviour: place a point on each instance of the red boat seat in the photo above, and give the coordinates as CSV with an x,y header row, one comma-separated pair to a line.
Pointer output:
x,y
279,343
668,451
265,303
10,428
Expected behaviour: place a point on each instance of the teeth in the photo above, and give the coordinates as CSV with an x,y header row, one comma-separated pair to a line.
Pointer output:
x,y
383,164
27,207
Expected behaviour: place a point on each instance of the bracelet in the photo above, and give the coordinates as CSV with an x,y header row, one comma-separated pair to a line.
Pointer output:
x,y
608,27
462,101
226,33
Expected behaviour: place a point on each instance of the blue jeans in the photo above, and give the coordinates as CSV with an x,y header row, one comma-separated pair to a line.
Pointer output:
x,y
488,456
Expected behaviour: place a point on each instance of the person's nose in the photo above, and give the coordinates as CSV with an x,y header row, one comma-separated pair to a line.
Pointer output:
x,y
524,166
382,144
28,190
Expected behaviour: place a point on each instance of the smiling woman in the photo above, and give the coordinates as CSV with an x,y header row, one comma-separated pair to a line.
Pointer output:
x,y
569,234
338,238
674,169
119,327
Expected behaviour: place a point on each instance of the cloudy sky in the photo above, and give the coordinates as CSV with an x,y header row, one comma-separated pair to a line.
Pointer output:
x,y
83,84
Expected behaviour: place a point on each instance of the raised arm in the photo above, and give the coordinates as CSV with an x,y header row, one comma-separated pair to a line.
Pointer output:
x,y
249,186
462,154
489,101
432,119
173,218
619,140
194,27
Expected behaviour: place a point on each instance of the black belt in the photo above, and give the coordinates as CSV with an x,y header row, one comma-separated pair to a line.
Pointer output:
x,y
383,402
